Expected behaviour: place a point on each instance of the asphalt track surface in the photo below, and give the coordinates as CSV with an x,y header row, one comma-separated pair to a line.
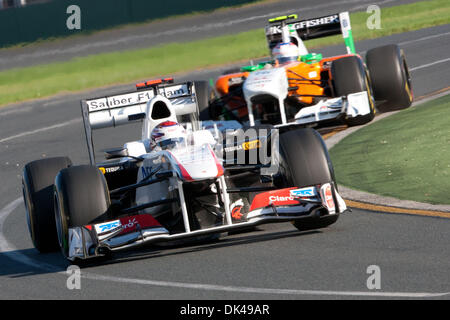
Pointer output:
x,y
274,262
182,29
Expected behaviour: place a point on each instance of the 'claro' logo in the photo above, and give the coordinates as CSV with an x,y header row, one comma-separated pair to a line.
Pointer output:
x,y
130,223
280,198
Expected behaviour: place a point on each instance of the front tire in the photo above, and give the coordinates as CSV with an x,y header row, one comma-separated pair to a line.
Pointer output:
x,y
37,187
304,161
390,78
81,198
349,76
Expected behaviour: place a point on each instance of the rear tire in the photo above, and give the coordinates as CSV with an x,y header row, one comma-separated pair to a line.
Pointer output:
x,y
37,187
390,78
349,76
304,161
204,94
81,198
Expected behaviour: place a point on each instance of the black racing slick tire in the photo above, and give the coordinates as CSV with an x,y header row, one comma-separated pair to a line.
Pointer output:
x,y
204,93
304,161
390,78
37,187
349,76
81,197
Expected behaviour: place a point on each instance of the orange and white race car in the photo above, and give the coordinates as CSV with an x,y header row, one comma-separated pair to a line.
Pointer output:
x,y
302,88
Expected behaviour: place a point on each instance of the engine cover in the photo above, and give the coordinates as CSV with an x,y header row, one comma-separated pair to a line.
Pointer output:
x,y
266,82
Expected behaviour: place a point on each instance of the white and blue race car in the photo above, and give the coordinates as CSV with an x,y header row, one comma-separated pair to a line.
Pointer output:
x,y
220,177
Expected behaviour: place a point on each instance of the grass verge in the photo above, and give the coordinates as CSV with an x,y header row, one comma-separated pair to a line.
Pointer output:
x,y
406,156
123,67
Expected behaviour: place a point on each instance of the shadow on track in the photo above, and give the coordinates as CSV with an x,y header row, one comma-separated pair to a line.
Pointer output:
x,y
146,252
29,262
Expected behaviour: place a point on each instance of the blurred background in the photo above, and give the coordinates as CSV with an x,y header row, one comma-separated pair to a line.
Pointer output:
x,y
4,4
31,20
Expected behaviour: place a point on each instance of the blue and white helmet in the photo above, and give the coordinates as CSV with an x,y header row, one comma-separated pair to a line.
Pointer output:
x,y
285,52
167,134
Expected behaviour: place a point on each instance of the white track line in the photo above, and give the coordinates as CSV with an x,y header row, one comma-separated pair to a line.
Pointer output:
x,y
10,250
424,38
5,246
209,287
4,213
403,43
27,133
14,254
429,64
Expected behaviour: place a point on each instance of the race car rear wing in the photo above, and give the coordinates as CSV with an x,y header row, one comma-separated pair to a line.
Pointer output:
x,y
129,107
320,27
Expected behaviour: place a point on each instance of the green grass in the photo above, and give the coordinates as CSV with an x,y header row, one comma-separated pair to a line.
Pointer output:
x,y
123,67
406,155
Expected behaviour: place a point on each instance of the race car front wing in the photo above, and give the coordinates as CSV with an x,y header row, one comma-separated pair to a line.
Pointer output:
x,y
283,205
351,106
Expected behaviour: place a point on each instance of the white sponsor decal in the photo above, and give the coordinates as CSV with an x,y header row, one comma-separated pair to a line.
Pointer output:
x,y
119,100
316,22
130,223
174,91
112,169
278,198
138,97
305,24
345,24
107,227
304,192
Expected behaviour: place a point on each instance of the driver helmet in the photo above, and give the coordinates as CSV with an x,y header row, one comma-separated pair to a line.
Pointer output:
x,y
167,134
285,52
